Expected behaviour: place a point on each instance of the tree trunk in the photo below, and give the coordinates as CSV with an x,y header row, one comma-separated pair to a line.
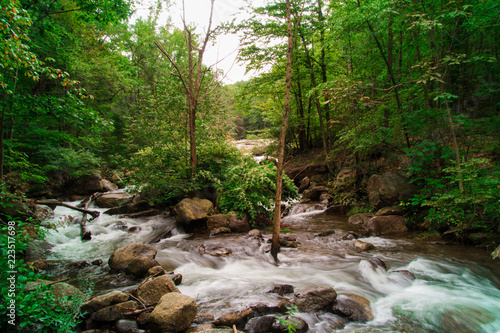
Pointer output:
x,y
275,246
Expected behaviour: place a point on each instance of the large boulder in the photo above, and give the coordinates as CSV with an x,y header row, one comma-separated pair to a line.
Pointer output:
x,y
353,307
386,225
90,184
174,313
135,259
15,209
192,209
314,193
389,189
153,290
110,200
218,221
102,301
314,299
239,224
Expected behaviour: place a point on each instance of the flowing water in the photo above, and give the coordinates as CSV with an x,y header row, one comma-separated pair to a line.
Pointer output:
x,y
455,288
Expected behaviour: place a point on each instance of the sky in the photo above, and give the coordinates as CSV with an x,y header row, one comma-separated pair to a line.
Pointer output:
x,y
222,55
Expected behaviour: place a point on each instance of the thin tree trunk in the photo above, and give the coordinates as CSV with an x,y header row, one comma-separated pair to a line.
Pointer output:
x,y
275,246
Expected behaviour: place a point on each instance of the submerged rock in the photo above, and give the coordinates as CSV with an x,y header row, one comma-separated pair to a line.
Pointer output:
x,y
135,259
314,299
174,313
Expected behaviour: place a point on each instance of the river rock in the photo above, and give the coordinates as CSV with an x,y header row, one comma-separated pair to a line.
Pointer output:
x,y
177,278
393,210
237,224
353,307
102,301
299,324
314,193
115,312
238,318
126,326
360,246
360,218
192,209
135,259
174,313
155,271
377,263
304,184
282,289
495,254
218,231
89,184
386,225
110,200
255,233
218,221
200,328
314,299
389,189
130,208
337,210
260,324
153,290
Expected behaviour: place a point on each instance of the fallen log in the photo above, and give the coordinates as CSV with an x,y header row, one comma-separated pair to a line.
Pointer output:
x,y
94,213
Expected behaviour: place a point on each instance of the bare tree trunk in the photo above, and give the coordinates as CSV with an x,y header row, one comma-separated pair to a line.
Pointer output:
x,y
275,246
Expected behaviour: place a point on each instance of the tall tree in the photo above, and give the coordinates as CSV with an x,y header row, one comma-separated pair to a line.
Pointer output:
x,y
192,76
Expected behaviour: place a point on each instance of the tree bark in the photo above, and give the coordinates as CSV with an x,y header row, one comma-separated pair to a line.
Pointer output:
x,y
275,246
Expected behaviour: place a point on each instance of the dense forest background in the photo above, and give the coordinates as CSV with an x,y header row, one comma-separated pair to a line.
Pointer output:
x,y
376,85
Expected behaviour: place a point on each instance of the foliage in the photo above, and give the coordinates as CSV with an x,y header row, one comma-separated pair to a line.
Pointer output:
x,y
474,209
288,320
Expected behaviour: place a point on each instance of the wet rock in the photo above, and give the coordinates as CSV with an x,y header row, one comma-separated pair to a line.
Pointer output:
x,y
353,307
155,271
393,210
90,184
126,326
97,262
262,309
255,233
110,200
314,193
177,278
314,299
360,246
325,233
115,312
192,209
298,323
376,263
289,243
174,313
304,184
282,289
237,224
350,236
325,197
389,189
260,324
238,318
345,177
102,301
153,290
120,225
214,250
144,213
135,259
43,212
361,218
402,277
218,231
386,225
134,229
129,208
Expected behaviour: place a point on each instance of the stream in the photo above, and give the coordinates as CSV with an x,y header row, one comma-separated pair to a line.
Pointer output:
x,y
456,288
